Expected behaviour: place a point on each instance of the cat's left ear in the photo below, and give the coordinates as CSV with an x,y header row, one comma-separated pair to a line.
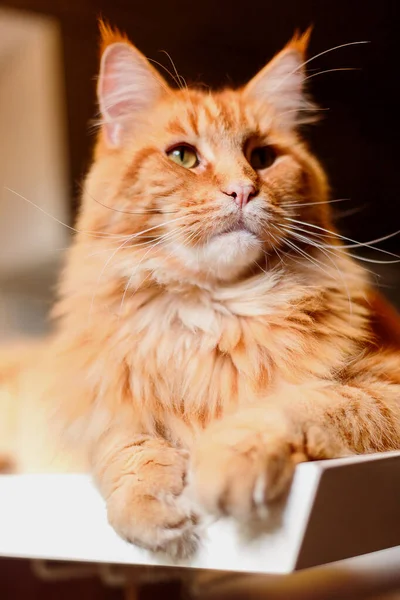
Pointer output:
x,y
280,84
128,85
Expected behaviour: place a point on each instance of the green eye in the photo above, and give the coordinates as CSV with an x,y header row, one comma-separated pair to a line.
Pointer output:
x,y
185,156
262,158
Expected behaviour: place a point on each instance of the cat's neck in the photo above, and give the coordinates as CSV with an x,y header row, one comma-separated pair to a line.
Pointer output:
x,y
264,289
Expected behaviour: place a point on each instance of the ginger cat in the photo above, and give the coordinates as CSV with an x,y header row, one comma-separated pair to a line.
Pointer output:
x,y
212,329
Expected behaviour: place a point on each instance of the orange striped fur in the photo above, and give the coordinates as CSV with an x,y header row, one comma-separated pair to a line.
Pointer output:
x,y
197,369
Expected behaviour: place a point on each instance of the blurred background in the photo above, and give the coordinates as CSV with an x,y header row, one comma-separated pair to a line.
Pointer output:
x,y
48,66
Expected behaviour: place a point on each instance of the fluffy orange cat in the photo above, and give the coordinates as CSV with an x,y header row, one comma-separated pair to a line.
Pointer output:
x,y
212,330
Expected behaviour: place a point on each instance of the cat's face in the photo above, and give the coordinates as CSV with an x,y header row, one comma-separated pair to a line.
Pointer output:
x,y
209,178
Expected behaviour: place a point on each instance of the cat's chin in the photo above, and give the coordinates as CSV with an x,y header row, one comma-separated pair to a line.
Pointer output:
x,y
225,255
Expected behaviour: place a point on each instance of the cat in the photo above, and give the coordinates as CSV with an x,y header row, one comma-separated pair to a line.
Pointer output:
x,y
212,330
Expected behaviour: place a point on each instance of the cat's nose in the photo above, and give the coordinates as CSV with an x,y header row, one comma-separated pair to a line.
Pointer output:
x,y
241,192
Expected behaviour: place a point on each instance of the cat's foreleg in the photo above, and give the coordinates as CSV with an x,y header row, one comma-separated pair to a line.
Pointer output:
x,y
246,460
142,479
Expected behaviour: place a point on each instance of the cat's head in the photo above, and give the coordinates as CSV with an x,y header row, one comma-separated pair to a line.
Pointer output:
x,y
204,182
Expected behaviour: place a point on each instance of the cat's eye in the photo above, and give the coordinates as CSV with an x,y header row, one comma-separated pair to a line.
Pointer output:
x,y
185,156
262,157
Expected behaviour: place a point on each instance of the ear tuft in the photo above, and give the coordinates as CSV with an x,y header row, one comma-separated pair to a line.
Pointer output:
x,y
110,35
300,41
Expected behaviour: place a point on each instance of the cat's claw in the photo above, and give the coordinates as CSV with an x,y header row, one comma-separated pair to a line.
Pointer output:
x,y
180,542
176,535
240,472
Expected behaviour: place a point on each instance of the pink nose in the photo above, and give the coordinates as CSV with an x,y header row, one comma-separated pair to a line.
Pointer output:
x,y
241,192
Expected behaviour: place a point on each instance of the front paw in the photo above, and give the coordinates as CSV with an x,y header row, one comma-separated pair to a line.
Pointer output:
x,y
240,466
149,510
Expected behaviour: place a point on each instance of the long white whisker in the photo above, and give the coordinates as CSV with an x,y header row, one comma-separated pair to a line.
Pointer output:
x,y
375,241
130,238
180,78
372,260
327,253
298,205
297,110
163,238
331,71
331,50
331,249
306,62
342,237
151,272
101,275
128,212
275,248
175,78
98,234
140,233
138,245
298,250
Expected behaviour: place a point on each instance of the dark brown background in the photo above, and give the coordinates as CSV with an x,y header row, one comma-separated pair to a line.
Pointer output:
x,y
18,582
220,41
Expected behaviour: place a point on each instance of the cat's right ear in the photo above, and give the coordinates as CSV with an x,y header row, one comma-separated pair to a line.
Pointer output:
x,y
127,85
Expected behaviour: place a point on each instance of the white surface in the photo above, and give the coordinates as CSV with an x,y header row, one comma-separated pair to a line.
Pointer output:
x,y
63,517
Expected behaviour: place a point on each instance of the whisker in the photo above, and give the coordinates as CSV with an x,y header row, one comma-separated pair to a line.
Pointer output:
x,y
129,212
333,249
307,109
98,234
298,250
306,62
298,205
180,78
331,71
138,245
372,260
173,77
275,248
354,243
101,275
328,254
151,272
350,212
130,238
162,239
375,241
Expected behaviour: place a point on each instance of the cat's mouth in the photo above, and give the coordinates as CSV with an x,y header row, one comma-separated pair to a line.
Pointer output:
x,y
239,226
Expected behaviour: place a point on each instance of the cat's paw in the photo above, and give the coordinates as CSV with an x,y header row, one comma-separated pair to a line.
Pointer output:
x,y
152,512
245,462
239,468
